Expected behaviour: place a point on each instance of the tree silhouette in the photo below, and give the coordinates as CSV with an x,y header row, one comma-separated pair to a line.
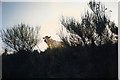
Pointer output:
x,y
95,27
105,28
20,37
72,27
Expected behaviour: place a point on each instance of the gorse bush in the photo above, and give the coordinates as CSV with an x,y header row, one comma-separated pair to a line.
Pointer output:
x,y
20,37
95,27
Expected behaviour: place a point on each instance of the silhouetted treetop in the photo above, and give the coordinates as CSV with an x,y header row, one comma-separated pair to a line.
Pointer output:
x,y
95,27
20,37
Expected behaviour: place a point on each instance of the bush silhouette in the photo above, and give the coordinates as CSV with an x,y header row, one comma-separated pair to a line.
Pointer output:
x,y
20,37
95,28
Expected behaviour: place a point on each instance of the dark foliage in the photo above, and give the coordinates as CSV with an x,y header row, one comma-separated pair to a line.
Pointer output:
x,y
95,27
77,62
20,37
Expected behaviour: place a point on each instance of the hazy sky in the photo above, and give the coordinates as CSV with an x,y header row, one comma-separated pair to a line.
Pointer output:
x,y
46,14
0,26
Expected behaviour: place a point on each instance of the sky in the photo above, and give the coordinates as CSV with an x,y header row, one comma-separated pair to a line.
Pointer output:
x,y
1,44
46,15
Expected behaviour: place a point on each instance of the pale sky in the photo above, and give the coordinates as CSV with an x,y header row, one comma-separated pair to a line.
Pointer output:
x,y
47,14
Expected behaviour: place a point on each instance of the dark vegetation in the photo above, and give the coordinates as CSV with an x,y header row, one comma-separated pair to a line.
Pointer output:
x,y
80,62
20,37
90,51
